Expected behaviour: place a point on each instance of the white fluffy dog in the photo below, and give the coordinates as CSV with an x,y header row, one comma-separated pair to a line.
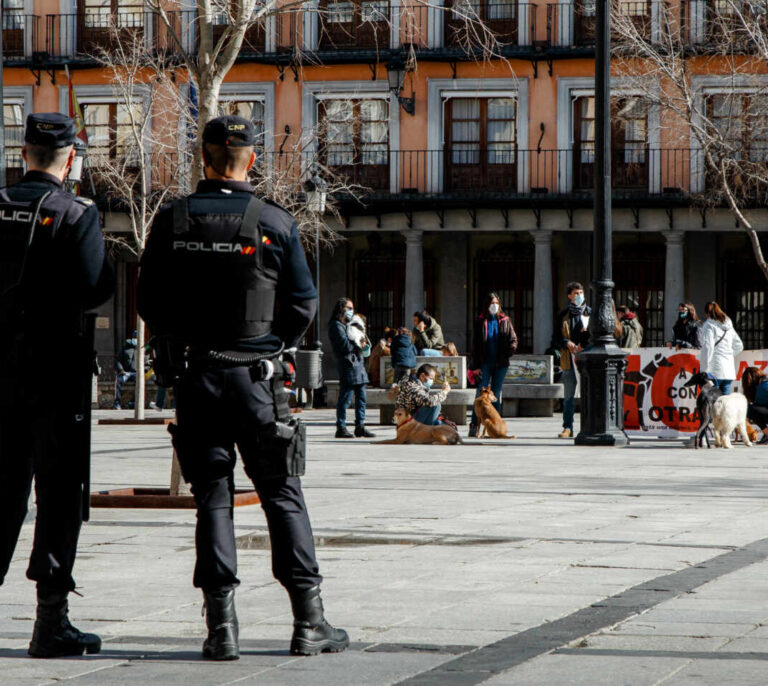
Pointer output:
x,y
356,331
729,413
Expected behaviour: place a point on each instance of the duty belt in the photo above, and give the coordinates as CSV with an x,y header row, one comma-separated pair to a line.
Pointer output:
x,y
263,366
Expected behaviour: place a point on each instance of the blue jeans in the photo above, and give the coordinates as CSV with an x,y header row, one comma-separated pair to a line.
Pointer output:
x,y
428,415
725,385
345,398
430,352
492,376
569,393
119,382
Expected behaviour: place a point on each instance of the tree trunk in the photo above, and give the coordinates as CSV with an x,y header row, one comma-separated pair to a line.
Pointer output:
x,y
138,398
208,108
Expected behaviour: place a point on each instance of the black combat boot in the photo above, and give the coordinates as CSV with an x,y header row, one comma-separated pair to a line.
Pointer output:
x,y
472,431
311,633
341,432
221,618
362,432
54,636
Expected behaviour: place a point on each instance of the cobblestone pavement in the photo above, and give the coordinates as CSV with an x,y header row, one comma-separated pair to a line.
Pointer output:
x,y
503,562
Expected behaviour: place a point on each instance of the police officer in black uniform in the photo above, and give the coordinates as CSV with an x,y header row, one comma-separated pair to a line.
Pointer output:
x,y
53,267
225,278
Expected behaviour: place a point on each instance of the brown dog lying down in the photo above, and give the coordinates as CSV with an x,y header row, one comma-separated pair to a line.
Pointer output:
x,y
488,416
412,432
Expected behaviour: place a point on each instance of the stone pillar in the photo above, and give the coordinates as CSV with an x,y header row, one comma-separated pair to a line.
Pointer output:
x,y
543,306
674,278
414,273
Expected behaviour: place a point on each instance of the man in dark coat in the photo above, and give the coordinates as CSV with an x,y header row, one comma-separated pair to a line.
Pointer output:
x,y
53,252
352,376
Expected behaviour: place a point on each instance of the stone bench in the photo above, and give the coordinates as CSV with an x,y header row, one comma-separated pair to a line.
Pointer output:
x,y
454,407
104,398
530,400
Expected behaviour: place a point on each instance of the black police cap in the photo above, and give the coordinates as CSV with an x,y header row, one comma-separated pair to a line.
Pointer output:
x,y
230,130
51,129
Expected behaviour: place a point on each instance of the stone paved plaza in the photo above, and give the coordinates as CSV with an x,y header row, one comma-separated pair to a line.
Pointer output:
x,y
510,562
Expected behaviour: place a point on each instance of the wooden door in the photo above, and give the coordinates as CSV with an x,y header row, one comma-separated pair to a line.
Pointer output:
x,y
480,144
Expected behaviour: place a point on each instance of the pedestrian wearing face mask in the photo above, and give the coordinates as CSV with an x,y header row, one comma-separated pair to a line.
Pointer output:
x,y
571,337
493,342
686,333
351,366
414,396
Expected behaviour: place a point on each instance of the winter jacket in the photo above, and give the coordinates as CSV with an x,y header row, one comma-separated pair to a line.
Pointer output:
x,y
126,361
632,332
506,344
431,337
719,345
412,394
403,352
381,349
686,333
564,332
349,357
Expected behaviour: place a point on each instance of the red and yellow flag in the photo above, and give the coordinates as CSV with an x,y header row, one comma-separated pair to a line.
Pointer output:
x,y
77,114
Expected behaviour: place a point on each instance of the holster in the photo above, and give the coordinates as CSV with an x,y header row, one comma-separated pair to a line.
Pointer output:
x,y
282,445
169,361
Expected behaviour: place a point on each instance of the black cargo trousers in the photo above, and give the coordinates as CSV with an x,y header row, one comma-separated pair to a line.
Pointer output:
x,y
216,410
37,439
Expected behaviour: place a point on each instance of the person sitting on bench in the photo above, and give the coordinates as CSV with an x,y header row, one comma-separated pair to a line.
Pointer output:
x,y
414,396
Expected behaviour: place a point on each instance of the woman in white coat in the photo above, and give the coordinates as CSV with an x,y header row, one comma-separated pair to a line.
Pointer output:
x,y
719,346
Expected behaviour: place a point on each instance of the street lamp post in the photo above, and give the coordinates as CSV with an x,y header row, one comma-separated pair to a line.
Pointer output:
x,y
317,194
601,365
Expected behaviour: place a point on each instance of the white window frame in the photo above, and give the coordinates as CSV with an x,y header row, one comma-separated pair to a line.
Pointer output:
x,y
101,95
19,95
570,88
710,85
440,90
311,25
315,91
566,22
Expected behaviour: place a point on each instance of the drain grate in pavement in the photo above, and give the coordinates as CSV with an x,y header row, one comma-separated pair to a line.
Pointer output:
x,y
260,540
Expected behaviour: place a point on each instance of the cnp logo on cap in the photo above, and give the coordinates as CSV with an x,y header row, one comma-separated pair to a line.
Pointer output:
x,y
45,127
236,127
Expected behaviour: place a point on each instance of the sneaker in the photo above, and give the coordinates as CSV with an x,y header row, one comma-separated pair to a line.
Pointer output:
x,y
565,433
155,406
343,433
117,406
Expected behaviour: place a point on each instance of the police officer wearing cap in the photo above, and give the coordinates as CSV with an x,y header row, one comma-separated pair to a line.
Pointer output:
x,y
53,267
224,276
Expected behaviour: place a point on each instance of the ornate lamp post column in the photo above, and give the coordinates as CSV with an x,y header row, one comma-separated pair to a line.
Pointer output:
x,y
602,364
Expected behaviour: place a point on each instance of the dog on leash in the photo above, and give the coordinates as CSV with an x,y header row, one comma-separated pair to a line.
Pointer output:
x,y
488,417
729,413
705,401
414,433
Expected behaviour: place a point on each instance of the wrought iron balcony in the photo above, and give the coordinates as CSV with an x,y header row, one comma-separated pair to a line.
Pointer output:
x,y
21,35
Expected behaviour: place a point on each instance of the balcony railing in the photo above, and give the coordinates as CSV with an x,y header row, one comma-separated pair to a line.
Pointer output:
x,y
86,35
20,35
573,24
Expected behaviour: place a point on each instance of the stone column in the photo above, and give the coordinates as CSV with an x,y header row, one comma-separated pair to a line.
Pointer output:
x,y
674,278
414,273
543,307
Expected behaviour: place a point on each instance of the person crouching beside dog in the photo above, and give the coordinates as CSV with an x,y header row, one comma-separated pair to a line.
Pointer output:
x,y
493,342
403,355
754,385
719,345
414,396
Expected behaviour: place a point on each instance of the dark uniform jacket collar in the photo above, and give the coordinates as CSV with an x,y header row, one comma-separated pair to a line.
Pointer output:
x,y
43,177
216,185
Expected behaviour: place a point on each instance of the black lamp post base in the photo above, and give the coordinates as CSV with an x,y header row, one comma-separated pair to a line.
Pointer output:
x,y
601,367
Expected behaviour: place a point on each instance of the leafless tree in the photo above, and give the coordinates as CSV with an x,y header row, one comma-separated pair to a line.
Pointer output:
x,y
704,66
143,163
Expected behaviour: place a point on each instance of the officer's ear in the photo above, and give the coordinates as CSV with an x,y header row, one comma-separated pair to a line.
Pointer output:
x,y
24,154
251,161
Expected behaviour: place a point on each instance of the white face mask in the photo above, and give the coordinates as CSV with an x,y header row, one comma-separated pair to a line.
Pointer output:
x,y
578,300
493,308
